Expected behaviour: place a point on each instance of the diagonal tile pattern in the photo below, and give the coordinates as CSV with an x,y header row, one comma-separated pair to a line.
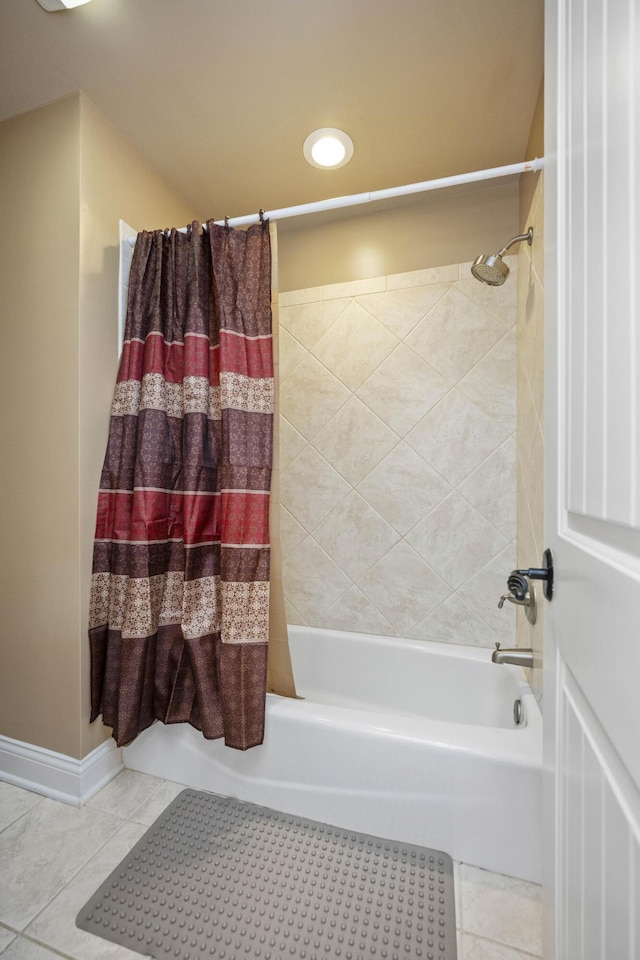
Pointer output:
x,y
398,434
403,488
400,310
307,322
355,440
491,384
456,436
456,334
355,536
422,387
354,346
311,472
311,395
456,540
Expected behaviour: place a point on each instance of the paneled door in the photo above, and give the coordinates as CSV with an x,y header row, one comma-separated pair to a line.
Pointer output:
x,y
592,506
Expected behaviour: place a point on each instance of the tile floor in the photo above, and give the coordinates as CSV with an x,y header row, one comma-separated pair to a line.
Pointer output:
x,y
53,857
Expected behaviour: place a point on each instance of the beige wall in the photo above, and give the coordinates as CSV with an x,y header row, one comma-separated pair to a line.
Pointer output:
x,y
68,178
398,455
39,310
430,230
535,148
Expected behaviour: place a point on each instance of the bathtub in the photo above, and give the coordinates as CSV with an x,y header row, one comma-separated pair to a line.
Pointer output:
x,y
409,740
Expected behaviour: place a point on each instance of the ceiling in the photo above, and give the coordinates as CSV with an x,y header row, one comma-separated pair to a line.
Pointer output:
x,y
219,95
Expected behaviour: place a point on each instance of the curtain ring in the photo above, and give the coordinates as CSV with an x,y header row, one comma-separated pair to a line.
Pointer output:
x,y
226,224
261,215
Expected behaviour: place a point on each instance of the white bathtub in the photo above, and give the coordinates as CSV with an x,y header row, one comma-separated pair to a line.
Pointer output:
x,y
403,739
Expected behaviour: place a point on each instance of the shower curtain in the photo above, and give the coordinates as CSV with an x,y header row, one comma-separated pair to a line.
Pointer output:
x,y
179,615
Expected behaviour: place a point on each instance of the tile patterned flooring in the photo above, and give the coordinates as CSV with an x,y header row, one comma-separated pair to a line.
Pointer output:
x,y
54,856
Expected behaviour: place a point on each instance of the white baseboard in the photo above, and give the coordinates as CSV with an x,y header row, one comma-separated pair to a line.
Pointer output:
x,y
54,774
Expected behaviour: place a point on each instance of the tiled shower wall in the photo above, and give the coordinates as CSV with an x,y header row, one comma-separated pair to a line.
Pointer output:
x,y
530,447
398,417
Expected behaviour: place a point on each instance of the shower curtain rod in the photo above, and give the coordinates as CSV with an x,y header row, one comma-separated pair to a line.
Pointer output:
x,y
528,166
335,203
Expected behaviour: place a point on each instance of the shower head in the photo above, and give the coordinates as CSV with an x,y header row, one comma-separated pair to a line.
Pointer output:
x,y
490,268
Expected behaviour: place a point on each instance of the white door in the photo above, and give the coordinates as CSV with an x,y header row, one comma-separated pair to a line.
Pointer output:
x,y
592,443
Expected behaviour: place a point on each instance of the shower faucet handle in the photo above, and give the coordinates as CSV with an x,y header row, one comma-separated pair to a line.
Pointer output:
x,y
544,573
534,573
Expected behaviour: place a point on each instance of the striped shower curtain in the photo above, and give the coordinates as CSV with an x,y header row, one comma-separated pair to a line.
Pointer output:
x,y
179,615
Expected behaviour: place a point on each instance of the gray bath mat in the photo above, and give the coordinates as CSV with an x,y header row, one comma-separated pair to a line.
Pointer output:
x,y
217,878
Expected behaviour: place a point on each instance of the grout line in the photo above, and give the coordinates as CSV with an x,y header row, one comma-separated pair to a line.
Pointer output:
x,y
500,943
43,943
25,812
70,880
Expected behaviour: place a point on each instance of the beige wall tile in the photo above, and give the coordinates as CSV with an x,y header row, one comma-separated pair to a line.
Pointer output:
x,y
400,310
290,353
527,422
453,622
456,540
359,487
293,616
313,581
311,472
6,937
403,488
355,440
419,278
491,384
291,443
292,297
308,322
455,437
310,396
403,587
535,487
535,359
354,346
491,488
354,288
292,533
354,612
456,334
355,536
403,389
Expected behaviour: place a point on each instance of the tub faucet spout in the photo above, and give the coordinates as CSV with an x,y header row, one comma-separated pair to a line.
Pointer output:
x,y
521,657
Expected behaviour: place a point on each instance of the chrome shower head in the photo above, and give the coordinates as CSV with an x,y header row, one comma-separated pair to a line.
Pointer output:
x,y
490,268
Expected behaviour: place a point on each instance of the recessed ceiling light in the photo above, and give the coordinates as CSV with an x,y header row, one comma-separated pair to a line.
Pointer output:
x,y
328,148
61,4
